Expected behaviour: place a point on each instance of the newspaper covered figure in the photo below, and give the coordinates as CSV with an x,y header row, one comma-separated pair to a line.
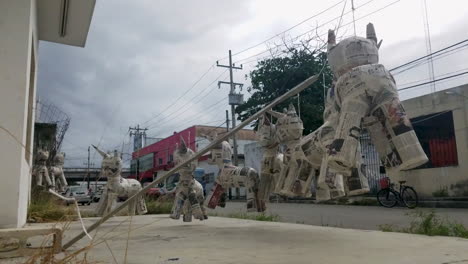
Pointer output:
x,y
294,178
332,184
272,159
231,176
111,168
308,162
189,196
56,172
367,96
40,172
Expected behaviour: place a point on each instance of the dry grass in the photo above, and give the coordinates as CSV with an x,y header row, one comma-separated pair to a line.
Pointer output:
x,y
46,208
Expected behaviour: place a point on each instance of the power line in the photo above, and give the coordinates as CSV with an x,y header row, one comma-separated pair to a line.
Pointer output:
x,y
429,55
435,57
152,125
322,25
436,80
284,31
190,117
188,90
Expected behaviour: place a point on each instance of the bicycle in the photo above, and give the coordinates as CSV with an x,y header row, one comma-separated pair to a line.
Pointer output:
x,y
389,197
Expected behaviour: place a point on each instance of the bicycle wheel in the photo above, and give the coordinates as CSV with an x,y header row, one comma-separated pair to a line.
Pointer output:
x,y
387,198
409,197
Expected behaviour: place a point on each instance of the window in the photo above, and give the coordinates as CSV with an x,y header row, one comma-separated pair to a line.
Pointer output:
x,y
145,162
171,158
437,137
133,167
160,161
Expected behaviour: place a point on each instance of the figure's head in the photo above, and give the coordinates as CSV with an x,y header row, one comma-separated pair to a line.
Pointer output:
x,y
290,126
266,132
59,158
352,52
42,154
182,153
111,165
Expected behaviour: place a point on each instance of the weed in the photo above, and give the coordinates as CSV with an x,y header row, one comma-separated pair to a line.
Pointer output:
x,y
156,207
442,192
250,216
365,202
430,224
387,228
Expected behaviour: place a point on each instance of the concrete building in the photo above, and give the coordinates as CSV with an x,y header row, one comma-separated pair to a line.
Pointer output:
x,y
22,24
441,122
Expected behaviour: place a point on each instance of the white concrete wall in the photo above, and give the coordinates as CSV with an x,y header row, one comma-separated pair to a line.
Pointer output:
x,y
453,178
17,25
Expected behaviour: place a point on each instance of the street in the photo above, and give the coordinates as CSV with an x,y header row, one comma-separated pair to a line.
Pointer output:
x,y
357,217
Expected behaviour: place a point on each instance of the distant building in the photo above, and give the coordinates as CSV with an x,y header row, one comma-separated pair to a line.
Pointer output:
x,y
441,123
156,159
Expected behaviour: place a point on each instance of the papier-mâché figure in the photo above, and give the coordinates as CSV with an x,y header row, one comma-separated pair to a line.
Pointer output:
x,y
231,176
367,96
272,160
297,172
111,168
56,172
189,196
40,171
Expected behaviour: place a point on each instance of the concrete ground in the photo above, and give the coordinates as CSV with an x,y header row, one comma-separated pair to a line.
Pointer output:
x,y
357,217
158,239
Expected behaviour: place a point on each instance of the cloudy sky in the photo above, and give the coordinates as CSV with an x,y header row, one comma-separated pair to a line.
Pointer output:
x,y
153,62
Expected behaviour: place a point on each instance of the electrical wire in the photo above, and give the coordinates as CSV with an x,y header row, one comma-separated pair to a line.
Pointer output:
x,y
180,97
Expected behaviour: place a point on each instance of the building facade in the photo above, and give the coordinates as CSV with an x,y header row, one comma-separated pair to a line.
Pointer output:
x,y
441,122
155,160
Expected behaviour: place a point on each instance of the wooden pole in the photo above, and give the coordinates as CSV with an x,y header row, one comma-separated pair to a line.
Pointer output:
x,y
298,88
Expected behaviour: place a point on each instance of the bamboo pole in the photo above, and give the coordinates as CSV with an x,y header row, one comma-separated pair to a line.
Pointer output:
x,y
297,89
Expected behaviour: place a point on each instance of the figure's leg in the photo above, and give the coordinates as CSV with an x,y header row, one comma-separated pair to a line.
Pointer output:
x,y
265,185
357,182
187,210
342,151
141,205
62,180
283,172
132,207
393,136
216,197
46,177
112,196
196,210
177,207
248,178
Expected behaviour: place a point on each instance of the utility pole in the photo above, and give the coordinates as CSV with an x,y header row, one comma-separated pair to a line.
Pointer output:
x,y
139,134
227,121
234,99
227,130
88,175
89,178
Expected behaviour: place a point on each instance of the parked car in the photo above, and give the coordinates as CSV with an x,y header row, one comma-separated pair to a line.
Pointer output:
x,y
80,193
154,192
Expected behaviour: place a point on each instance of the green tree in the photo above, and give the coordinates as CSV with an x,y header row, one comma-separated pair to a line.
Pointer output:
x,y
273,77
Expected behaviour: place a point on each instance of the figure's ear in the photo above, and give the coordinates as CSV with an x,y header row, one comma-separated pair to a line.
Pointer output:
x,y
331,39
370,33
103,154
183,146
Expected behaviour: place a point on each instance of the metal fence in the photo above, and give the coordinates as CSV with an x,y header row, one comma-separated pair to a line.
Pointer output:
x,y
372,161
